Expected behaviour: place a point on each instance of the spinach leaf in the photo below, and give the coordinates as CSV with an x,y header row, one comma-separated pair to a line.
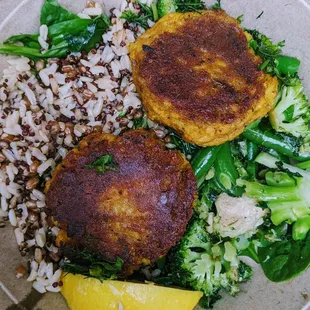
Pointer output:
x,y
250,252
29,40
58,32
66,32
102,24
286,259
52,13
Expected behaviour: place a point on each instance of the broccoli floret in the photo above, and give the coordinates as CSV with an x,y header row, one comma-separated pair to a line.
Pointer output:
x,y
301,228
198,263
286,193
292,111
166,6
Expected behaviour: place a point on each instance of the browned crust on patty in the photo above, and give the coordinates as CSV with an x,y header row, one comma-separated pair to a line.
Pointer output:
x,y
138,212
197,74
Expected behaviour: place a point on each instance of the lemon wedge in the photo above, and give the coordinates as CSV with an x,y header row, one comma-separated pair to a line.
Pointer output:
x,y
85,293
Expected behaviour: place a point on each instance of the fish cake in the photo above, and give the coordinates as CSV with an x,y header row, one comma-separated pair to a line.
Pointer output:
x,y
197,74
136,211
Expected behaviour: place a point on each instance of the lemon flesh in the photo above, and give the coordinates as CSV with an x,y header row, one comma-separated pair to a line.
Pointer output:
x,y
90,294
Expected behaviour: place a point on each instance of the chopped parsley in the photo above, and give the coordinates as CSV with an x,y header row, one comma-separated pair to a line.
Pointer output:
x,y
140,123
102,164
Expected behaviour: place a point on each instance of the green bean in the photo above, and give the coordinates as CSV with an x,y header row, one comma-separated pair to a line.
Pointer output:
x,y
226,173
270,140
252,168
252,150
203,161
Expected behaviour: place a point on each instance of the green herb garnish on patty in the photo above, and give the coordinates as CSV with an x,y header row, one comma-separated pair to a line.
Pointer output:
x,y
102,164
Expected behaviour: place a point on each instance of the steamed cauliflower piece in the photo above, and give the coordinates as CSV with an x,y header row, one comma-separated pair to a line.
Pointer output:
x,y
236,216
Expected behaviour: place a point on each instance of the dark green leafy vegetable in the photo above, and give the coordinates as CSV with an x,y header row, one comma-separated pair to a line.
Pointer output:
x,y
178,143
102,164
66,32
250,252
52,13
287,65
29,40
92,265
285,259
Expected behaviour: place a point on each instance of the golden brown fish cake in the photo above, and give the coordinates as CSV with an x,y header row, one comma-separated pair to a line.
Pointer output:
x,y
196,74
137,212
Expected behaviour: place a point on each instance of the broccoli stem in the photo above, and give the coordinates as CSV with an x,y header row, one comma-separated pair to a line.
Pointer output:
x,y
288,198
203,161
269,193
270,140
271,162
301,228
279,179
289,211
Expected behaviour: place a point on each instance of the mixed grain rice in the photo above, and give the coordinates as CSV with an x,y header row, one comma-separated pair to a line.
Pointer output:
x,y
44,115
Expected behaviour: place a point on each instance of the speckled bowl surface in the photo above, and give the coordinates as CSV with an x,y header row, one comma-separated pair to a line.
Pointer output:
x,y
281,19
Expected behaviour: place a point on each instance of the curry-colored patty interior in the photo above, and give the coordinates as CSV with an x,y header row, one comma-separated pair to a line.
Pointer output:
x,y
137,212
197,74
